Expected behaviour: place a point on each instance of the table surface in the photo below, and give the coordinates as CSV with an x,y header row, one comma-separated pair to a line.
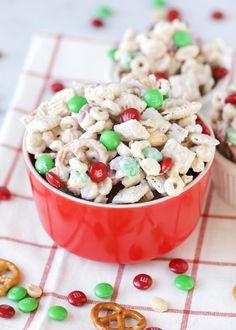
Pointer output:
x,y
20,19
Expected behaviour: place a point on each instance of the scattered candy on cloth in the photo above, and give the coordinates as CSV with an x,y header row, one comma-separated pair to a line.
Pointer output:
x,y
210,251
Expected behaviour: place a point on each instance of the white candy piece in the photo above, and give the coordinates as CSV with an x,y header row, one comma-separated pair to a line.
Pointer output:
x,y
34,291
159,305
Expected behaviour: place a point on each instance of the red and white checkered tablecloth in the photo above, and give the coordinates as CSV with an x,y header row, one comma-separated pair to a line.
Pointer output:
x,y
210,251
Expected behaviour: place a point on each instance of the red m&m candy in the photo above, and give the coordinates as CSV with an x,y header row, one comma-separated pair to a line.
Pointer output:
x,y
98,172
77,298
129,114
53,180
57,87
166,165
161,75
231,98
4,194
6,311
142,281
172,14
96,22
219,72
178,266
217,15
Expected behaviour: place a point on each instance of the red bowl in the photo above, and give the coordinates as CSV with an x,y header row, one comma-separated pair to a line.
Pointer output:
x,y
118,233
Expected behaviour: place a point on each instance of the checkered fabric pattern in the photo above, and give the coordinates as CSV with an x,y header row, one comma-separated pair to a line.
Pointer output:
x,y
210,250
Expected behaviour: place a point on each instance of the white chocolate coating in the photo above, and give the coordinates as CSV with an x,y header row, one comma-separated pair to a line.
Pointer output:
x,y
72,139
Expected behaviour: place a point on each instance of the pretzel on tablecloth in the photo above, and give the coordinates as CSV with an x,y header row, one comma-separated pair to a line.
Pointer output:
x,y
119,316
8,282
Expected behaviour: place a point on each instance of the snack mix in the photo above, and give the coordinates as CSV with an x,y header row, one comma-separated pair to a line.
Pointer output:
x,y
119,143
171,50
224,122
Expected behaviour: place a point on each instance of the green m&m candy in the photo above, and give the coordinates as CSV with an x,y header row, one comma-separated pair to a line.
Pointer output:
x,y
182,38
44,164
184,282
153,153
153,98
129,166
58,313
16,293
27,305
159,3
103,290
76,102
110,139
112,53
104,11
231,136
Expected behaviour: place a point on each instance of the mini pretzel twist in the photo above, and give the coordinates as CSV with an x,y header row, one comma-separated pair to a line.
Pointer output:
x,y
8,282
119,315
